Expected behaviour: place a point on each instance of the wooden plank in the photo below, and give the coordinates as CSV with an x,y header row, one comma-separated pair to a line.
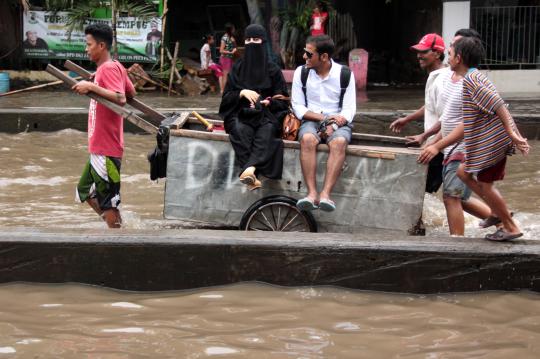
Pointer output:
x,y
180,121
355,136
379,138
126,114
398,141
132,101
355,150
173,66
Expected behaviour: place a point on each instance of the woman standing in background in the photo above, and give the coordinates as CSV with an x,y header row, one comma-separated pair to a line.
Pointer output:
x,y
227,50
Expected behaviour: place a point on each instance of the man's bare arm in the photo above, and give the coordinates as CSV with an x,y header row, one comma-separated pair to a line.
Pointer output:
x,y
511,129
313,116
83,87
398,124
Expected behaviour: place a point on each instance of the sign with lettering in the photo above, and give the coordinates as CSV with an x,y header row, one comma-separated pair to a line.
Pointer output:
x,y
46,36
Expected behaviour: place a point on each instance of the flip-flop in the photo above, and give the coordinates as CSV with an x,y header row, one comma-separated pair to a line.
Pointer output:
x,y
327,205
500,236
306,204
491,221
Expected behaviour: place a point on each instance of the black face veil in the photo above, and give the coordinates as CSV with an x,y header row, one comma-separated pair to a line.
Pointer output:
x,y
253,72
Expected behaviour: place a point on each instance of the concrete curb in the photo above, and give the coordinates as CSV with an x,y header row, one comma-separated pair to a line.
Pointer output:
x,y
184,259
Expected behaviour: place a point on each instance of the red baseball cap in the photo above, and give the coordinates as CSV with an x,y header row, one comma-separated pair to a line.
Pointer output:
x,y
432,42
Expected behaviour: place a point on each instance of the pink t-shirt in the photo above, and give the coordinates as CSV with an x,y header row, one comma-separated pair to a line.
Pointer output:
x,y
318,23
106,128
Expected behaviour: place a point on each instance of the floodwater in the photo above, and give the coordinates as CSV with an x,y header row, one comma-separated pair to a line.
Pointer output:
x,y
40,171
37,179
260,321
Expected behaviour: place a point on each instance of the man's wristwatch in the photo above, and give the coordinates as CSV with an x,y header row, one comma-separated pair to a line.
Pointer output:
x,y
335,126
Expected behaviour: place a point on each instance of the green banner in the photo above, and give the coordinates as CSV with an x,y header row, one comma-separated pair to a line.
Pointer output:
x,y
45,36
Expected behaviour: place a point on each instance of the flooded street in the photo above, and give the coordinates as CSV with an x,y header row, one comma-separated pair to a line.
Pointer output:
x,y
40,171
259,321
37,188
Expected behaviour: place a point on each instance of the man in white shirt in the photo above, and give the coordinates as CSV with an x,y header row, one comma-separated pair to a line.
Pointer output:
x,y
326,105
430,55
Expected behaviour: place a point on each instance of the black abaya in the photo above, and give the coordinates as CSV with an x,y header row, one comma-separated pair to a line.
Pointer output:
x,y
255,132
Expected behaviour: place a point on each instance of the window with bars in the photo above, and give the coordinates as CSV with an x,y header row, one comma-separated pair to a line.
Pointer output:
x,y
511,35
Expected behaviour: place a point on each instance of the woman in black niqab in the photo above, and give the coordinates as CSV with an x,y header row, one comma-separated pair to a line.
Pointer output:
x,y
251,112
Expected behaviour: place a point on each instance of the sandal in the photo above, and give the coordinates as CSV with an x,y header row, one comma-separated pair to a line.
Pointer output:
x,y
501,236
327,205
306,204
491,221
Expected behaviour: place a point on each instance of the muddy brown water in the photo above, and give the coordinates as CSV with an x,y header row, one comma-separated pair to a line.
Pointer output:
x,y
37,179
260,321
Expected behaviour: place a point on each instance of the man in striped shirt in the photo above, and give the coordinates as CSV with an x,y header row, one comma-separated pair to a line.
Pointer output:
x,y
456,195
489,134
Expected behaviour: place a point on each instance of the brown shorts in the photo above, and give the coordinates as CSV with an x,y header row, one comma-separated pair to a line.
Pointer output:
x,y
493,173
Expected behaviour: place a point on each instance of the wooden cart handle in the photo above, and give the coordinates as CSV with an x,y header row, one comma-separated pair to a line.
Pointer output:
x,y
208,125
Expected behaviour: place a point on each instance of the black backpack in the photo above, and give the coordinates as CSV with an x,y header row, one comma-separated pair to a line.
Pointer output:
x,y
344,79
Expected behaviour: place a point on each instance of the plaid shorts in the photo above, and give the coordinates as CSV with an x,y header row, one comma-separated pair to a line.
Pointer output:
x,y
101,180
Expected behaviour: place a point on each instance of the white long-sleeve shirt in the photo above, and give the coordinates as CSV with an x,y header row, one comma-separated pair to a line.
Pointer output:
x,y
323,94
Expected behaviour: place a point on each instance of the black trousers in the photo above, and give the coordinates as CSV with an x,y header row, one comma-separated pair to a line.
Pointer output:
x,y
255,143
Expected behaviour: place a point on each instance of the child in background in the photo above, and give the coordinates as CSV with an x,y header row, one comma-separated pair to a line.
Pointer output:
x,y
319,19
208,63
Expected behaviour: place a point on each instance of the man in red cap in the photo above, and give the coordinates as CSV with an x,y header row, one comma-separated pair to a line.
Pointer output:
x,y
430,55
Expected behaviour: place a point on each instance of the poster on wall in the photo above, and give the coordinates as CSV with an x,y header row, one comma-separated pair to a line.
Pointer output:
x,y
45,35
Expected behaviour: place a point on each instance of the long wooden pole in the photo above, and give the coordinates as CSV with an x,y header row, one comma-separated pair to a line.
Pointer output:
x,y
33,88
173,66
132,101
163,28
126,114
208,125
175,69
113,23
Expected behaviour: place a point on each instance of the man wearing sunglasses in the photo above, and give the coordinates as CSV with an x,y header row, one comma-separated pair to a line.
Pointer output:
x,y
324,97
430,55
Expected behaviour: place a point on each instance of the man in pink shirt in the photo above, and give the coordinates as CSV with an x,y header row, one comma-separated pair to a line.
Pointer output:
x,y
99,185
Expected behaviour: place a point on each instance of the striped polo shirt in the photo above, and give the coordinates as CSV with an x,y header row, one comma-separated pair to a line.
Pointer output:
x,y
486,141
452,115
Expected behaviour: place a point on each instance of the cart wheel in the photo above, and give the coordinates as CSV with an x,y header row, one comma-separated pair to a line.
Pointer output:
x,y
277,213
